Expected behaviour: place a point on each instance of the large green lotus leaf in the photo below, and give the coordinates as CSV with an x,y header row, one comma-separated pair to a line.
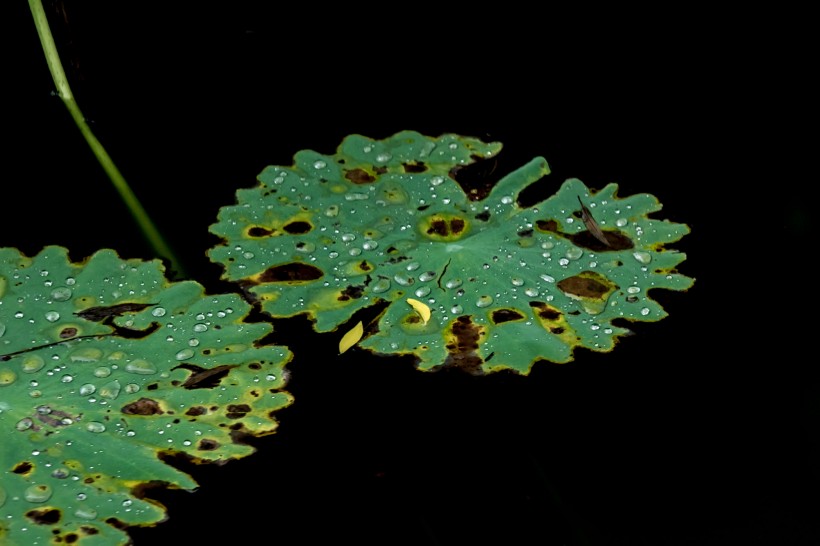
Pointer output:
x,y
382,222
105,367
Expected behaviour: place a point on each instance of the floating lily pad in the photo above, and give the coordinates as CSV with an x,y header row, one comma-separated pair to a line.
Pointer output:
x,y
106,368
497,285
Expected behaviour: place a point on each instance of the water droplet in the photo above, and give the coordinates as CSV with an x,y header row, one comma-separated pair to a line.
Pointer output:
x,y
633,289
201,327
506,199
37,493
270,377
403,279
573,253
381,285
61,294
2,329
547,278
484,301
193,342
642,257
52,316
427,276
531,292
370,245
517,281
422,291
332,211
110,390
184,354
347,237
437,180
158,312
86,354
60,473
355,251
453,283
33,363
102,371
7,377
70,281
143,367
18,314
305,247
85,512
621,222
132,388
356,196
67,378
95,426
87,389
412,266
456,309
130,433
383,157
24,424
127,502
319,164
645,311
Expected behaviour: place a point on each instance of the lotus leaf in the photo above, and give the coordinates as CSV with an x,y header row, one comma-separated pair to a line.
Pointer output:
x,y
457,276
107,369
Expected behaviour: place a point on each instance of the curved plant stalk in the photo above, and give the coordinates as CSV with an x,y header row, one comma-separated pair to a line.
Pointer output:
x,y
149,230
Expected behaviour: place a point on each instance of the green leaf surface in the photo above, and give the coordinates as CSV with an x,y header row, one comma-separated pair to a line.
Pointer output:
x,y
106,368
381,221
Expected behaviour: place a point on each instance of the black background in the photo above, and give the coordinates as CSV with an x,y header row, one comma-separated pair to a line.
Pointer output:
x,y
699,430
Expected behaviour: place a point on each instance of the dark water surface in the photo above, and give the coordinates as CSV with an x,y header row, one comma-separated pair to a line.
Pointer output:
x,y
698,430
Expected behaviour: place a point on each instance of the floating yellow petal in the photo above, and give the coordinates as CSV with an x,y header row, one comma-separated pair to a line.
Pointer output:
x,y
422,309
351,338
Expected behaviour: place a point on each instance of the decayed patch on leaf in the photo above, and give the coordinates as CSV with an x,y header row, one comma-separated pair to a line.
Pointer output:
x,y
107,356
396,220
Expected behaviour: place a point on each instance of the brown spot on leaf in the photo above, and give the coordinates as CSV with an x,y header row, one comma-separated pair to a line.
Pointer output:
x,y
237,411
464,346
259,231
547,225
143,406
204,378
499,316
583,286
45,516
67,333
297,227
208,445
546,312
193,411
616,240
414,167
351,292
291,272
98,314
456,226
439,227
359,176
22,468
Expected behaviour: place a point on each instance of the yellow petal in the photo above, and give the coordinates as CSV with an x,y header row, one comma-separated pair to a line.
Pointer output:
x,y
351,338
421,309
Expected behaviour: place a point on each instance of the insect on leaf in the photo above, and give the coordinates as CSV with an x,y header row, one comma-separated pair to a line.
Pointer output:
x,y
506,285
105,367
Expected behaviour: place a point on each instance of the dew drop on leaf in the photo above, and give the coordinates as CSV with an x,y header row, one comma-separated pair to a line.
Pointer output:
x,y
37,493
141,367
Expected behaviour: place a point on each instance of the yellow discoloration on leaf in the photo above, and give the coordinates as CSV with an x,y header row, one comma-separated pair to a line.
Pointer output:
x,y
351,338
422,309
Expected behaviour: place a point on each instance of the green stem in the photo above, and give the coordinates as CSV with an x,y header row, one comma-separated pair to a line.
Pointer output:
x,y
149,230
